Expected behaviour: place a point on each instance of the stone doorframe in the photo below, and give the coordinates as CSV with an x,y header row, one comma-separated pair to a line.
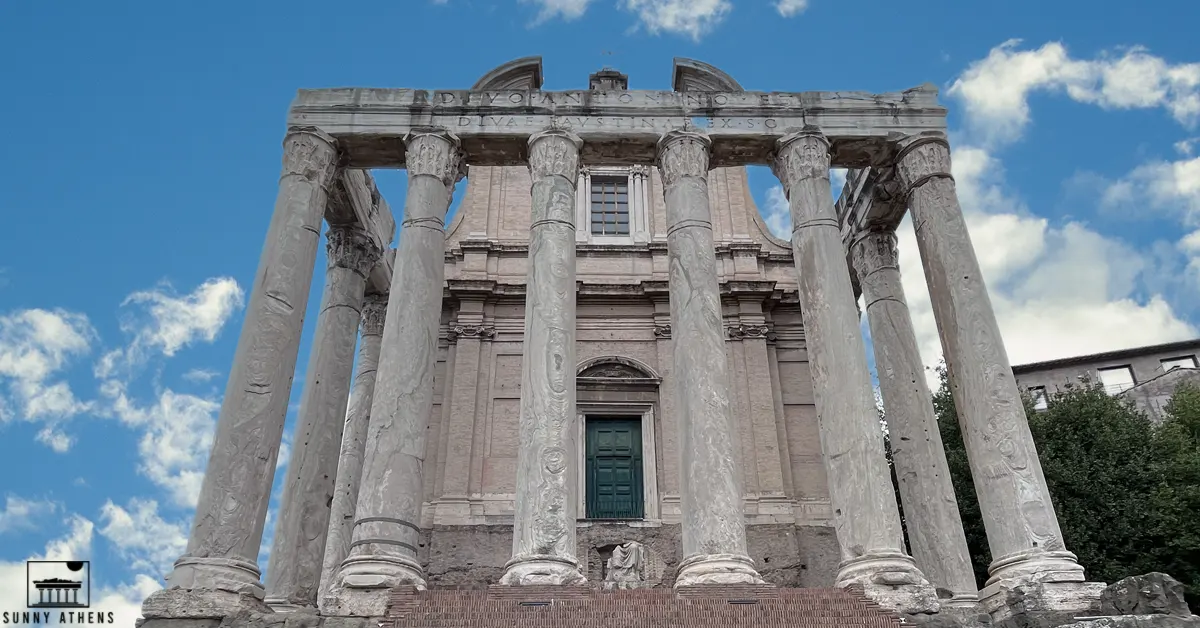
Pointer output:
x,y
651,514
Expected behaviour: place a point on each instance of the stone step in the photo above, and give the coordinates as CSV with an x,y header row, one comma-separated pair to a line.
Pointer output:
x,y
712,606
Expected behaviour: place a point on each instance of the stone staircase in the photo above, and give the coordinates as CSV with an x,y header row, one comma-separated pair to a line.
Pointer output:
x,y
715,606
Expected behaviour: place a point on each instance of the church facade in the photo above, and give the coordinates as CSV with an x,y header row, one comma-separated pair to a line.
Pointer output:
x,y
628,455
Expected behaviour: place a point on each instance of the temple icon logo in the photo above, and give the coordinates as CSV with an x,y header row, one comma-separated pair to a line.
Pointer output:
x,y
58,583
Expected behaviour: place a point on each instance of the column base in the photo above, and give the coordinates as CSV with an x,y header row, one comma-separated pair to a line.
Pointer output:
x,y
363,583
959,602
208,587
891,580
177,603
1028,603
541,569
1035,565
700,569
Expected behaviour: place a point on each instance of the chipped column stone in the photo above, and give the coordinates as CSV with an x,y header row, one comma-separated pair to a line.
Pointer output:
x,y
714,532
219,574
935,530
1022,528
354,441
383,553
546,500
865,513
299,542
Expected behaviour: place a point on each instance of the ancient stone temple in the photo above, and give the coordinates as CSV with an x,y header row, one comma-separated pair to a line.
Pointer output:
x,y
604,384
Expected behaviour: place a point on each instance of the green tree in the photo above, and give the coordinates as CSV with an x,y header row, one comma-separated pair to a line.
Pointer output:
x,y
1126,493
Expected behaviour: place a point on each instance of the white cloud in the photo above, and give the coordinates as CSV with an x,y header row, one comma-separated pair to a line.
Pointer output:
x,y
567,9
1057,291
693,18
177,433
200,375
168,323
995,90
21,514
142,537
788,8
35,345
1166,185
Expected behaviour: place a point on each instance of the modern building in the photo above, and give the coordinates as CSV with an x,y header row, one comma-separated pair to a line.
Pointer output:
x,y
1146,375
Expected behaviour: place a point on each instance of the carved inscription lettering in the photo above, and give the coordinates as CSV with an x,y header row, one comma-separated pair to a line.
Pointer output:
x,y
618,123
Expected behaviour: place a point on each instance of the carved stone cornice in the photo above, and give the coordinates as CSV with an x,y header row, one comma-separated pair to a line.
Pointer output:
x,y
350,247
434,152
801,155
374,313
873,250
478,332
922,158
743,331
555,152
662,331
310,153
683,154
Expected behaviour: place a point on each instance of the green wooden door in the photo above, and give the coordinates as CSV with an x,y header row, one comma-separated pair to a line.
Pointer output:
x,y
614,469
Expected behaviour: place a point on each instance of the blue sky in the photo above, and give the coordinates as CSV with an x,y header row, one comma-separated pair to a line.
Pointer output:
x,y
142,152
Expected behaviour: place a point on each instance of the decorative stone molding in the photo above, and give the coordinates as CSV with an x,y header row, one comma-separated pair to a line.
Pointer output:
x,y
801,155
433,152
683,154
478,332
351,248
555,152
744,331
639,170
373,314
923,158
662,331
874,250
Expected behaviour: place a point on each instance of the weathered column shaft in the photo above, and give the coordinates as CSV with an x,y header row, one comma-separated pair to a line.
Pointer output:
x,y
935,530
222,553
388,514
714,532
865,513
354,442
299,542
1022,529
547,480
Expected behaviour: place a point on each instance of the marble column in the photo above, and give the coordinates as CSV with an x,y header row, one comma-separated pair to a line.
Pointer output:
x,y
865,514
935,530
354,441
383,553
299,541
1022,529
220,564
714,529
546,503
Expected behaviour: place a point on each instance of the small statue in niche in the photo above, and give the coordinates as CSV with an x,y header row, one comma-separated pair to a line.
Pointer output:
x,y
625,569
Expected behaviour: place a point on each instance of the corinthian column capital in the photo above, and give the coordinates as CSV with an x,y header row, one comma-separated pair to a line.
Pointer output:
x,y
310,153
683,153
349,247
922,158
801,155
434,152
873,250
374,313
555,152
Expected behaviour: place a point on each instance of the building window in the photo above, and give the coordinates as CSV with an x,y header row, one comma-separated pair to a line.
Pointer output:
x,y
610,205
613,468
1184,362
1039,398
1117,379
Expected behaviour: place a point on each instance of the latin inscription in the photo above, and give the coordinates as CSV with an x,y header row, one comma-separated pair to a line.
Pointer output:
x,y
621,123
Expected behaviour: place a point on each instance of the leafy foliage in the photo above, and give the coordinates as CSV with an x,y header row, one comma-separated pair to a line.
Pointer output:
x,y
1126,492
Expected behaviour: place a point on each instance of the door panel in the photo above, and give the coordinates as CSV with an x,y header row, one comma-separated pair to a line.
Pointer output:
x,y
613,468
